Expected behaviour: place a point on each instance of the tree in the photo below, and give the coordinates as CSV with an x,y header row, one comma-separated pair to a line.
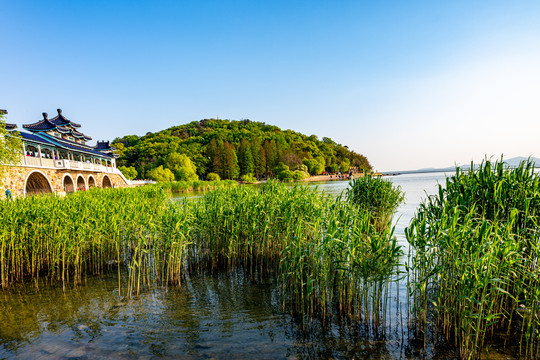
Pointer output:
x,y
160,174
230,162
128,171
282,172
345,165
245,158
10,146
314,166
203,142
212,177
333,168
181,166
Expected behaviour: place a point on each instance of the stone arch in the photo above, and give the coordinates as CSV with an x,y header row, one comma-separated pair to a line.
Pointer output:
x,y
37,183
91,182
106,182
67,184
81,184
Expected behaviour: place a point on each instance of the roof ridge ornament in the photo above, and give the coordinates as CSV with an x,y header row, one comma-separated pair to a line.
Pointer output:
x,y
59,111
45,116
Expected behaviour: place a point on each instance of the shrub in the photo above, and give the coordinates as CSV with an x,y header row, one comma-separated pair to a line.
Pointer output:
x,y
212,177
248,178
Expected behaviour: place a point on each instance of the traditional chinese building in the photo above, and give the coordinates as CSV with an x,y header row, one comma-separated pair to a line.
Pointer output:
x,y
55,158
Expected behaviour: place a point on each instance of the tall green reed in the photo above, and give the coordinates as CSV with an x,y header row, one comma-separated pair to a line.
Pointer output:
x,y
474,266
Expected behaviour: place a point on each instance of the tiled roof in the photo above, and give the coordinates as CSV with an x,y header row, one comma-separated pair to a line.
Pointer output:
x,y
10,127
65,144
61,120
42,125
71,145
63,130
35,138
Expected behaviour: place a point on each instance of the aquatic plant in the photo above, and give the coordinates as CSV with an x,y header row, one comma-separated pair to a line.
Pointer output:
x,y
474,266
377,195
326,253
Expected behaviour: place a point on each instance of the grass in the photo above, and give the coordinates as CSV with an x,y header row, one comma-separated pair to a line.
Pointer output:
x,y
474,268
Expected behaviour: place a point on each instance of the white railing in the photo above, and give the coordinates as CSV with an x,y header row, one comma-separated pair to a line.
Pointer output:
x,y
35,161
47,162
65,164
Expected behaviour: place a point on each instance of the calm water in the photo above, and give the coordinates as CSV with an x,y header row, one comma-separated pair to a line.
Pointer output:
x,y
221,316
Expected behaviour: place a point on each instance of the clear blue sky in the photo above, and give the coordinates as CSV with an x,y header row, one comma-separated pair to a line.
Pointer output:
x,y
409,84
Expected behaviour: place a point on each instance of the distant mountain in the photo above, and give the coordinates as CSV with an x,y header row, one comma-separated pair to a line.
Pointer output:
x,y
513,162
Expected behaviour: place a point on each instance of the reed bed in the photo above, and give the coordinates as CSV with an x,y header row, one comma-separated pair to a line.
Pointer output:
x,y
327,254
195,185
474,269
65,239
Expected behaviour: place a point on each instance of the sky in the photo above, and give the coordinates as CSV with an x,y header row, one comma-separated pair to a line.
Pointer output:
x,y
408,84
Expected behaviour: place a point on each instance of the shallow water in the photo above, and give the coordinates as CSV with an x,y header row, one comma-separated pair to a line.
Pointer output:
x,y
218,316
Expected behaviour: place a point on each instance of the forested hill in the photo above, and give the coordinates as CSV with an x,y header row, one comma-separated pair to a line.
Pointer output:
x,y
232,149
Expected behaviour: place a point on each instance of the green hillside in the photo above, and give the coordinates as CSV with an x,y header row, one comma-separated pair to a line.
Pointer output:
x,y
232,149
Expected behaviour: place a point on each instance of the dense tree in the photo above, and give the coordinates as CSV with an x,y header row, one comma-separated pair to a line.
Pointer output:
x,y
128,171
160,174
245,158
233,148
181,166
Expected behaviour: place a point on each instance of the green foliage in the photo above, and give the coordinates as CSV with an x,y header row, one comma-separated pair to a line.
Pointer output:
x,y
377,195
181,166
333,168
10,146
475,256
315,167
282,171
212,177
160,174
128,171
233,148
345,165
299,175
248,178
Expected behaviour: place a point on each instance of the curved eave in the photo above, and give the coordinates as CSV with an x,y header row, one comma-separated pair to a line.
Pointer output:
x,y
28,127
72,146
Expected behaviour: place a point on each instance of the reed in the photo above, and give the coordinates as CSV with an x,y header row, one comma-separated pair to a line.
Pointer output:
x,y
474,268
377,195
195,185
328,255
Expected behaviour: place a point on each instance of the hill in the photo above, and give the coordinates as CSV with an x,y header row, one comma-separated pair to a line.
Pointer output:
x,y
231,149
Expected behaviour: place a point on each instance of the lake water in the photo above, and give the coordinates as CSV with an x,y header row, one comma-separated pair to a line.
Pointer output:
x,y
219,316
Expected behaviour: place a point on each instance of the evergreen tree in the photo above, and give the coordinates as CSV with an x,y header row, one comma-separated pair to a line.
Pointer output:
x,y
245,158
230,162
